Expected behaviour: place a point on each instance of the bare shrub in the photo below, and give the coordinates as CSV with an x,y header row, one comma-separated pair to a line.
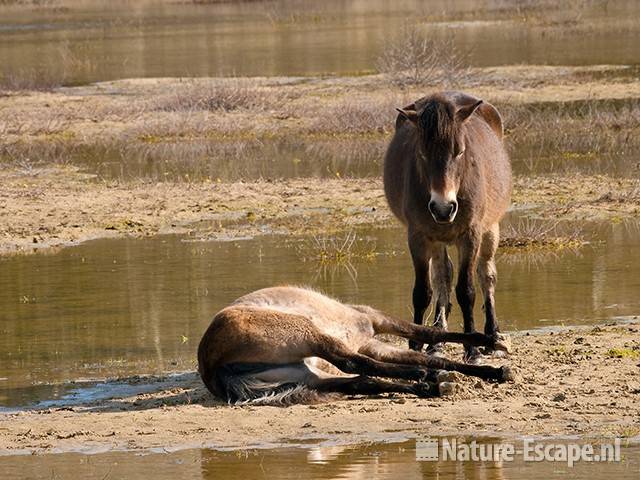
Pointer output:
x,y
412,58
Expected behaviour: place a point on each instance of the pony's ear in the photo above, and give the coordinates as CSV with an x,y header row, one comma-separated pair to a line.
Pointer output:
x,y
410,115
465,112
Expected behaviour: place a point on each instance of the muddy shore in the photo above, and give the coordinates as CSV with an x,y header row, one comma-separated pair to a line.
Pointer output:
x,y
59,206
580,381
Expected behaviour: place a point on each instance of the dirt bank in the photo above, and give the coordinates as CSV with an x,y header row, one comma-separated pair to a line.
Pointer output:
x,y
580,381
58,206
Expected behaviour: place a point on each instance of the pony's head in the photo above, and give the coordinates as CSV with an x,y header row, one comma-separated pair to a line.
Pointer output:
x,y
441,151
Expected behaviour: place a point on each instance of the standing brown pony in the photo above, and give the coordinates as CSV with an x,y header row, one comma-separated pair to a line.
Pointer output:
x,y
447,177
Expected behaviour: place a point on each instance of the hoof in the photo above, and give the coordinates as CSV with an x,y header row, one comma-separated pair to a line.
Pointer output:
x,y
488,352
473,357
445,376
435,350
502,342
426,390
447,389
474,360
507,375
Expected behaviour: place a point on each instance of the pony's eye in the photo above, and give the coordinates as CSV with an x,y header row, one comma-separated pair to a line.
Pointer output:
x,y
459,154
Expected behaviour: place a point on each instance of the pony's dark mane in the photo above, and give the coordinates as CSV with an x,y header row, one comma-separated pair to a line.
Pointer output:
x,y
437,123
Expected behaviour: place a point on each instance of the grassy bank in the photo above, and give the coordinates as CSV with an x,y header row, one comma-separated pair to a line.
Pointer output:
x,y
219,158
557,119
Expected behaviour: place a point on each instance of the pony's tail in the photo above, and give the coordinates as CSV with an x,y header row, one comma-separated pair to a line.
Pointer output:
x,y
238,385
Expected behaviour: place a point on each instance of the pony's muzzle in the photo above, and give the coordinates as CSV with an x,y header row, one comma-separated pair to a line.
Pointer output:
x,y
443,212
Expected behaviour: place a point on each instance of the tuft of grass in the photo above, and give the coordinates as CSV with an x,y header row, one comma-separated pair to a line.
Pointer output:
x,y
338,249
623,353
31,79
66,63
529,235
563,136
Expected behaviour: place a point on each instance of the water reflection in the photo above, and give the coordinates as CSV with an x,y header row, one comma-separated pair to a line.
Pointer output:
x,y
375,460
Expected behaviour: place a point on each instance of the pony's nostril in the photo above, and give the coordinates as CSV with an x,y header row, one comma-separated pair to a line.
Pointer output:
x,y
453,208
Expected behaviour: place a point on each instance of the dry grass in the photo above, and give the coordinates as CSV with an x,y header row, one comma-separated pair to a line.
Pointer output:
x,y
216,96
359,115
66,64
298,11
564,136
31,80
412,58
30,3
346,137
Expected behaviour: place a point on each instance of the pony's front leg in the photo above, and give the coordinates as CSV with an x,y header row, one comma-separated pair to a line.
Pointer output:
x,y
420,255
487,275
468,249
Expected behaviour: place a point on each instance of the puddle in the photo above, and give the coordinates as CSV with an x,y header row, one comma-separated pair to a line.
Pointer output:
x,y
373,460
257,158
119,308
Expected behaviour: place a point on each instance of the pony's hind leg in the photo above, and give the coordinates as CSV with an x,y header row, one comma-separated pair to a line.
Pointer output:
x,y
336,352
441,278
340,355
322,378
487,275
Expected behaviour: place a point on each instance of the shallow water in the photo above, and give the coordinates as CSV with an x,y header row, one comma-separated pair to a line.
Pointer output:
x,y
375,460
89,41
123,307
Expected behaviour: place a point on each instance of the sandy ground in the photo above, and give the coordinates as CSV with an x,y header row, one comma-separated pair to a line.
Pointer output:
x,y
578,381
58,206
